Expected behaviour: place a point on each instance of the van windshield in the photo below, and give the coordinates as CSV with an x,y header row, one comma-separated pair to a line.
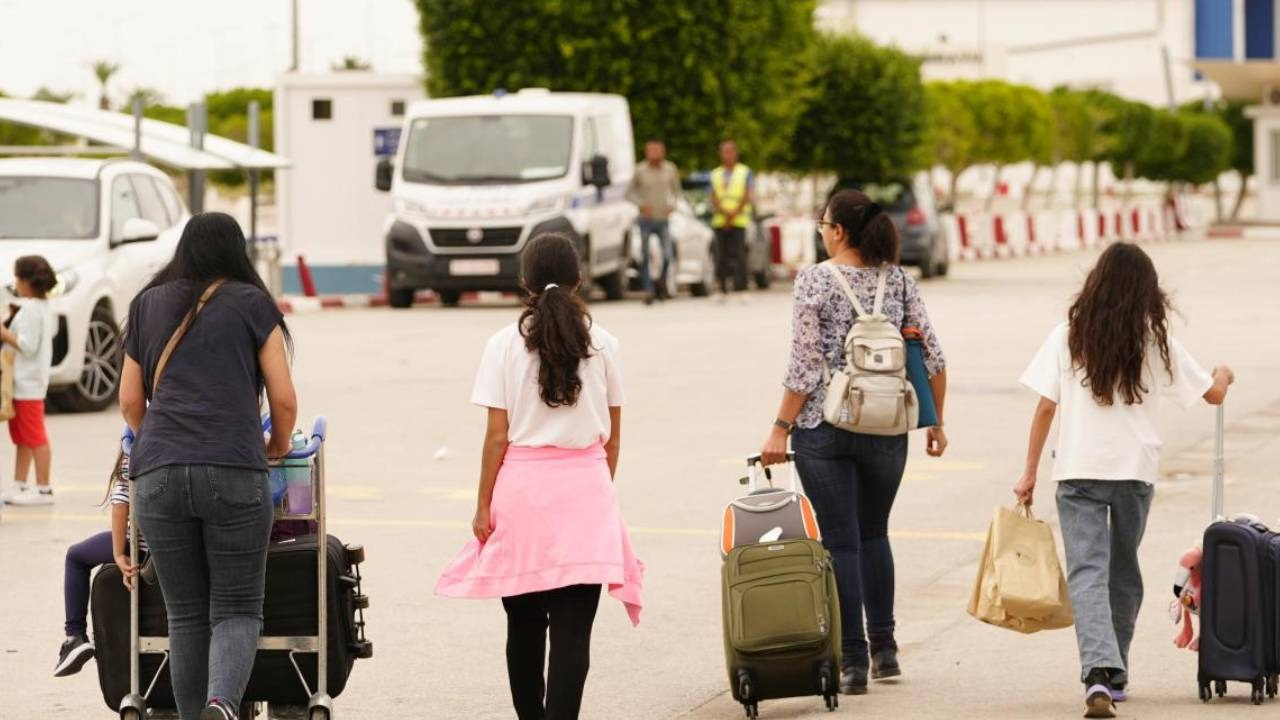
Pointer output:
x,y
48,208
488,149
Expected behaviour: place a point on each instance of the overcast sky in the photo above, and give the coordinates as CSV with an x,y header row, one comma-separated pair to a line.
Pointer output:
x,y
185,48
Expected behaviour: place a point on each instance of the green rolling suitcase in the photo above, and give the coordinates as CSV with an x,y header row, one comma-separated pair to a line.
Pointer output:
x,y
781,623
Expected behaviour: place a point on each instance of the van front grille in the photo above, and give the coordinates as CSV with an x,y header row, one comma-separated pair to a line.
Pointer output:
x,y
475,237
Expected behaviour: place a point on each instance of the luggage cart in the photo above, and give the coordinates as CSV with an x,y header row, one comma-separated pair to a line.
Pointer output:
x,y
320,705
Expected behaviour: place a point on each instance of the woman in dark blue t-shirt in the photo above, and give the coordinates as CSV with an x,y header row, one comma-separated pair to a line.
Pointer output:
x,y
199,462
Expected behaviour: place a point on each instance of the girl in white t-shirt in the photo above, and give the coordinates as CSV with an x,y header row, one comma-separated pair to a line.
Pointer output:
x,y
547,529
1103,373
30,335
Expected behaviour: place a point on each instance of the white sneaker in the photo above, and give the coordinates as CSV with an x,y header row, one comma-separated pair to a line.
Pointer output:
x,y
13,491
32,497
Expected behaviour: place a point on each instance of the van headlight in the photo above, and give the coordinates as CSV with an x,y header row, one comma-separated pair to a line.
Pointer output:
x,y
553,203
67,281
410,208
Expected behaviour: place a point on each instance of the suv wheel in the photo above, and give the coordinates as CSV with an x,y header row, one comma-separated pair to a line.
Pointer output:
x,y
449,298
400,297
99,381
615,283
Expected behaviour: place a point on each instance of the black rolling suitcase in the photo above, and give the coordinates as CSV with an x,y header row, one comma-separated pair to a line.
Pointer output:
x,y
289,609
1271,610
1236,603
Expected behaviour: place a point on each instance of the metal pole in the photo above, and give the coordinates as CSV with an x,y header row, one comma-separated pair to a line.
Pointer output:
x,y
196,124
1219,464
136,153
254,129
1168,77
293,66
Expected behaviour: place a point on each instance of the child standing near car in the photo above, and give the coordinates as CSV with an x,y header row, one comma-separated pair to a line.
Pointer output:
x,y
31,336
1102,372
86,555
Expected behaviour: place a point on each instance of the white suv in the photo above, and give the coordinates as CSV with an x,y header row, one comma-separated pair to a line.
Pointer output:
x,y
106,227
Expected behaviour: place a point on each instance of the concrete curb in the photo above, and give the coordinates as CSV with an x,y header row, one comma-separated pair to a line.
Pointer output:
x,y
299,305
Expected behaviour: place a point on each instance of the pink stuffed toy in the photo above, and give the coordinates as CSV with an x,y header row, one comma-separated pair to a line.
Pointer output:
x,y
1186,588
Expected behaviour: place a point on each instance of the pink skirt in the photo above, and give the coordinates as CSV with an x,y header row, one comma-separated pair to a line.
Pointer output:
x,y
555,523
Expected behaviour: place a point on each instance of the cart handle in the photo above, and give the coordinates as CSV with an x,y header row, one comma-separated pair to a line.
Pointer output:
x,y
319,431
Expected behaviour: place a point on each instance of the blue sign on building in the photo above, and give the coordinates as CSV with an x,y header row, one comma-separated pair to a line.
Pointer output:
x,y
385,141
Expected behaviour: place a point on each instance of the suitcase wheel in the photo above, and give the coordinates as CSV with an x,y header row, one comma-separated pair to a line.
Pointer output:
x,y
1205,693
130,714
360,602
829,687
355,554
746,695
1220,687
1273,685
365,651
1258,694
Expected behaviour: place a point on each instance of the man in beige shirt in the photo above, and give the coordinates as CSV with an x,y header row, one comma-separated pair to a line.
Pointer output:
x,y
654,189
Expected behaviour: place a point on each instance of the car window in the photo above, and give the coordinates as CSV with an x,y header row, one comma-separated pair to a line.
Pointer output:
x,y
170,199
124,205
149,201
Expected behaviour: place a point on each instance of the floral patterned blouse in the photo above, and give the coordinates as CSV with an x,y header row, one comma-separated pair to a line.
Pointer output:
x,y
823,316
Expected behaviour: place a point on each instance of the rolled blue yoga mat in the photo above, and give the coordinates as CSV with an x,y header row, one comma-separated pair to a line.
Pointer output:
x,y
919,376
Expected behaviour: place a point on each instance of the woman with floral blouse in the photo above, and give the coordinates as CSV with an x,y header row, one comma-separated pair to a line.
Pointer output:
x,y
852,478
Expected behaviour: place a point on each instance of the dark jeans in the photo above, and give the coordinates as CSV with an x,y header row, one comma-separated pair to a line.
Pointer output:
x,y
731,257
649,228
82,558
852,480
208,527
569,613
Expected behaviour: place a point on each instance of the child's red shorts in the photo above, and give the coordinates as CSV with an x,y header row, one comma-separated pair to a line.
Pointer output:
x,y
26,427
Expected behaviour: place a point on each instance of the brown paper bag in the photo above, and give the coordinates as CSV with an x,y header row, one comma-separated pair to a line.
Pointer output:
x,y
6,384
1020,585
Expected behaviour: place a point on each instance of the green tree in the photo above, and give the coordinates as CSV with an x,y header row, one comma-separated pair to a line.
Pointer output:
x,y
1241,128
950,133
148,96
1013,123
866,118
47,95
15,134
104,70
1073,134
351,63
694,73
1206,151
1158,156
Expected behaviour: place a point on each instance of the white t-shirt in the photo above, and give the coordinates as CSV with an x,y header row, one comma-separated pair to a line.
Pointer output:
x,y
508,380
1116,442
34,327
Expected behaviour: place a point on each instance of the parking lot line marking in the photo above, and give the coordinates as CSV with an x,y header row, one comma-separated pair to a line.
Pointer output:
x,y
458,525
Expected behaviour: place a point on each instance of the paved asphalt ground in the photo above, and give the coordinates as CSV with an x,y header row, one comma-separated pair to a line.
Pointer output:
x,y
703,381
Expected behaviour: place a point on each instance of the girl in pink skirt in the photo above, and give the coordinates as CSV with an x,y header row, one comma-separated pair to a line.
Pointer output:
x,y
548,533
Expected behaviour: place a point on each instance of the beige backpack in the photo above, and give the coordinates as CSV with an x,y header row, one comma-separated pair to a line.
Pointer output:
x,y
872,394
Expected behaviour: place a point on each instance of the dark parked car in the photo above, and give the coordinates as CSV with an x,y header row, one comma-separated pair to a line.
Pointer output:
x,y
910,204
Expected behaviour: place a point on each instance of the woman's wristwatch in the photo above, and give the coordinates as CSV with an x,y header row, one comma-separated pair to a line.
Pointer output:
x,y
787,427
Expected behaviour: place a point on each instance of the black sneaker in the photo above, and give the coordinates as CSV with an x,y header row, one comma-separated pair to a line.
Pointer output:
x,y
1098,702
76,650
853,681
217,710
884,663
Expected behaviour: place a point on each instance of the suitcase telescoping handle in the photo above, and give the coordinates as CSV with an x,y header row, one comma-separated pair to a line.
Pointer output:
x,y
1219,465
754,465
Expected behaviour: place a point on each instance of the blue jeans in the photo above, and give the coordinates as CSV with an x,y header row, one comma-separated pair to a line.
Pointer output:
x,y
208,529
852,480
647,229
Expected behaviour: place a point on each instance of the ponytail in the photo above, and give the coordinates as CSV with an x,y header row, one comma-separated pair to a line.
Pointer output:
x,y
555,323
869,228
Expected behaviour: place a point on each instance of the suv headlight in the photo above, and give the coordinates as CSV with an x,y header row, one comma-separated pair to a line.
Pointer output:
x,y
67,280
410,208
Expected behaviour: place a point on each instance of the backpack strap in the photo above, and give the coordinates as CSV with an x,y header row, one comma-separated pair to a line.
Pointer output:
x,y
848,291
179,333
881,280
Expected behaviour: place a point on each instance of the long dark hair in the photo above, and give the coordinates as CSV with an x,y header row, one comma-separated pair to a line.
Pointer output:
x,y
212,247
870,229
37,272
555,323
1118,315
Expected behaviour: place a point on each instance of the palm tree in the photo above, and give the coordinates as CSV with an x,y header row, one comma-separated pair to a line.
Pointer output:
x,y
104,69
351,62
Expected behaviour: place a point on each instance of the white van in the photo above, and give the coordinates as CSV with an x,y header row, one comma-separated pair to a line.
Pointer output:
x,y
106,227
474,178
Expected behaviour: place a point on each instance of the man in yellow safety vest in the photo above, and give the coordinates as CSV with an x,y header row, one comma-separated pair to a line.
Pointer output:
x,y
731,190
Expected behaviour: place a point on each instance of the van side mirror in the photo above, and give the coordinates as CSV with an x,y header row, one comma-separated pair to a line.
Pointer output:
x,y
382,176
138,230
596,172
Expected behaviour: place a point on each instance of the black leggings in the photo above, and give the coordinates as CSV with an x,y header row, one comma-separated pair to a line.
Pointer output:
x,y
569,613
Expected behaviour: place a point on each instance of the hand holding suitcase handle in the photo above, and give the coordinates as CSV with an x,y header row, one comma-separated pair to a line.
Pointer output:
x,y
755,461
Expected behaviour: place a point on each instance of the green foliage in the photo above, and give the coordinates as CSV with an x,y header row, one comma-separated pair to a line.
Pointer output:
x,y
1163,145
1240,126
694,73
351,63
950,132
1206,151
1012,122
1073,129
866,118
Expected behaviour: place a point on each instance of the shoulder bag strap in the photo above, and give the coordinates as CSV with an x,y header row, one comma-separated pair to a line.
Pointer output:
x,y
848,291
179,333
880,284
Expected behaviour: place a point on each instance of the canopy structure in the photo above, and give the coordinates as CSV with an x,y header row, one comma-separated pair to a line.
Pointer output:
x,y
163,142
1246,80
